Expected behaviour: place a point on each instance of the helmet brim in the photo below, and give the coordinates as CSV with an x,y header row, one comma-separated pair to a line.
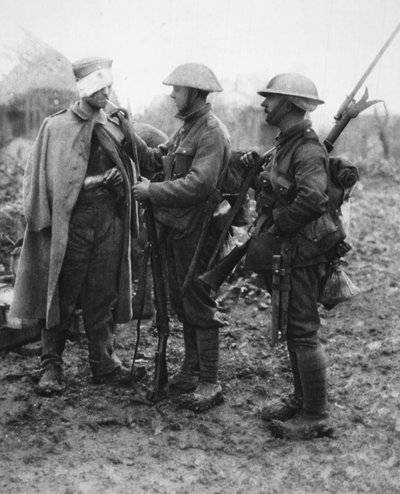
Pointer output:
x,y
317,101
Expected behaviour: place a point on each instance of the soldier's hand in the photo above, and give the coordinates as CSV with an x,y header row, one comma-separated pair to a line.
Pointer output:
x,y
273,230
125,121
141,190
249,158
112,177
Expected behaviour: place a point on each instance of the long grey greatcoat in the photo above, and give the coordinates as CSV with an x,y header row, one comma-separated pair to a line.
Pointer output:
x,y
53,179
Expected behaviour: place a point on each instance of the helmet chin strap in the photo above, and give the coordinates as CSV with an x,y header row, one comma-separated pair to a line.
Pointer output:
x,y
281,109
191,97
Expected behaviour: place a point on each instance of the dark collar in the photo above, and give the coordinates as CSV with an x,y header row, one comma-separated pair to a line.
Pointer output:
x,y
294,131
98,116
194,114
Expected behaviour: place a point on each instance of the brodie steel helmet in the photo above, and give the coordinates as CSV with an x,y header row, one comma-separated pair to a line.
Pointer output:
x,y
300,90
194,75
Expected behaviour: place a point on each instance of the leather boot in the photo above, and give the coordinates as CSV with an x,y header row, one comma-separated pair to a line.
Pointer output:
x,y
121,376
53,344
313,420
208,393
187,378
50,383
287,407
282,408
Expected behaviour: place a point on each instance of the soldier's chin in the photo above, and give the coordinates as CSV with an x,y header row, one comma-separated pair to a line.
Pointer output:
x,y
270,120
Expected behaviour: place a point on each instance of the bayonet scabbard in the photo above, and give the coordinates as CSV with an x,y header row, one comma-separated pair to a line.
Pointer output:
x,y
276,299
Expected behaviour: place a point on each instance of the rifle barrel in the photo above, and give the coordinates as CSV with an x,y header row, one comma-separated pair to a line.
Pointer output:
x,y
350,97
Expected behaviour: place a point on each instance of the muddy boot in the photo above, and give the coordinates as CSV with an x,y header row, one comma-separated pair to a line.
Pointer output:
x,y
53,344
282,409
302,427
187,378
50,383
205,396
105,365
287,407
118,377
209,392
313,420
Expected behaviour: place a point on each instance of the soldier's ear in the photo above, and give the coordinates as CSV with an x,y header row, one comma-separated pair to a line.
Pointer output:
x,y
287,106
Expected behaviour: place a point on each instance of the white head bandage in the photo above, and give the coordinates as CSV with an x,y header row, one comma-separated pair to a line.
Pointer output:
x,y
93,82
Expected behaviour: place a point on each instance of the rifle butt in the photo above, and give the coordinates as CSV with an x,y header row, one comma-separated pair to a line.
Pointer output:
x,y
217,275
160,375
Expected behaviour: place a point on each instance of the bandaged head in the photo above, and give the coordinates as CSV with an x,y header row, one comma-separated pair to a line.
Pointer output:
x,y
92,74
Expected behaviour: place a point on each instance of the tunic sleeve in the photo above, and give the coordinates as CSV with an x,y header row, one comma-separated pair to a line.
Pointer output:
x,y
310,202
201,180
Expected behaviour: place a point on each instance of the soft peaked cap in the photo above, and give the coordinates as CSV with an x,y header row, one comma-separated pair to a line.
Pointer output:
x,y
92,74
86,66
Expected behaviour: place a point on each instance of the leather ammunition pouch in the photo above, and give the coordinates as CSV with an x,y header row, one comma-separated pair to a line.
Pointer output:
x,y
320,236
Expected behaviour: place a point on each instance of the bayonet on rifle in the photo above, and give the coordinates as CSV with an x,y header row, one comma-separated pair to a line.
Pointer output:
x,y
349,109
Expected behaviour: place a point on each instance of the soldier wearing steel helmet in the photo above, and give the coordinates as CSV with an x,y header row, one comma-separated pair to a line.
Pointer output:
x,y
192,160
292,197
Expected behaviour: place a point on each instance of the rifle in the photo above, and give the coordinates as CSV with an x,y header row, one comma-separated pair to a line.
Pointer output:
x,y
160,296
348,110
135,223
162,320
213,278
212,202
251,174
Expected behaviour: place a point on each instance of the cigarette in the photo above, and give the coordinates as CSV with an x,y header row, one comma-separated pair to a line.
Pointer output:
x,y
117,108
112,104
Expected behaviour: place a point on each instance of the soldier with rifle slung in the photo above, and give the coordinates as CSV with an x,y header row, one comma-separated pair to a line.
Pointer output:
x,y
193,160
294,222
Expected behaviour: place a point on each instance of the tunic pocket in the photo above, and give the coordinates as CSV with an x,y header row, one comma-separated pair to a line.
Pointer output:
x,y
183,160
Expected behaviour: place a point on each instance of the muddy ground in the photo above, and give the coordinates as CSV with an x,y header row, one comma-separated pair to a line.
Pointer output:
x,y
113,441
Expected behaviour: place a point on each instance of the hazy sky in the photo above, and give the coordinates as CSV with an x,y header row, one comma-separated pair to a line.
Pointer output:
x,y
331,41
